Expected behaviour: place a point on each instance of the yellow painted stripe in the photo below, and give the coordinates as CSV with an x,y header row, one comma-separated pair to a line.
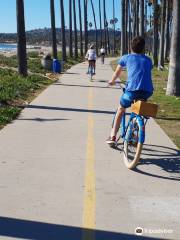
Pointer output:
x,y
89,193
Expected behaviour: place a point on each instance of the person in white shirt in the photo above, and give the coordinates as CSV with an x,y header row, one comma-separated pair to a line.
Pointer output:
x,y
91,57
102,54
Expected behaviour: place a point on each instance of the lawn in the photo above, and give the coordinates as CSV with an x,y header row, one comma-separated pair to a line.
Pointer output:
x,y
168,116
16,91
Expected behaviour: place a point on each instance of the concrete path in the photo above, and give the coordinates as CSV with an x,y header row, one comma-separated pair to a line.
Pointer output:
x,y
58,177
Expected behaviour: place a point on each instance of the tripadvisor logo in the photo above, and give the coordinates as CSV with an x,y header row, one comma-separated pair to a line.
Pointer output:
x,y
139,231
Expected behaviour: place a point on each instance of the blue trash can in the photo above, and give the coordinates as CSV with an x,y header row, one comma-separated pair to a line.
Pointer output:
x,y
56,66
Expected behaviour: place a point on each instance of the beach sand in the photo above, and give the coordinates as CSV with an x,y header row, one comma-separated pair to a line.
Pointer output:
x,y
43,50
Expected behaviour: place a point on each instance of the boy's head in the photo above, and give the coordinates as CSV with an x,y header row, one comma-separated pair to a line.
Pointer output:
x,y
138,44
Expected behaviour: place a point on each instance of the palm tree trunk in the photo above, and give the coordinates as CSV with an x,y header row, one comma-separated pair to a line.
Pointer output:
x,y
108,41
94,16
137,17
167,33
80,24
133,6
85,26
114,29
63,31
130,29
105,30
155,33
53,29
173,86
161,52
75,31
70,29
142,18
122,27
100,22
21,38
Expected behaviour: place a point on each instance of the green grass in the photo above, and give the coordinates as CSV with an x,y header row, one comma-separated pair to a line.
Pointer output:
x,y
15,89
168,116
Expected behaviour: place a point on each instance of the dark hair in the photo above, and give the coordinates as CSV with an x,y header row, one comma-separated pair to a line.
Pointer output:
x,y
138,44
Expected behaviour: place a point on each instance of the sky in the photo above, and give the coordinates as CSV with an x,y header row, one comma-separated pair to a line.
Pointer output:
x,y
37,13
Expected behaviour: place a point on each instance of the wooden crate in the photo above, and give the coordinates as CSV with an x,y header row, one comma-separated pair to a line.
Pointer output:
x,y
145,108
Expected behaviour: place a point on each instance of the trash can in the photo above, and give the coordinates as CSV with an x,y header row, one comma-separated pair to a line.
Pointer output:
x,y
56,66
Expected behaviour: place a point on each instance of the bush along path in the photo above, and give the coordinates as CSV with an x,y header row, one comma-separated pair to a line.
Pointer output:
x,y
17,91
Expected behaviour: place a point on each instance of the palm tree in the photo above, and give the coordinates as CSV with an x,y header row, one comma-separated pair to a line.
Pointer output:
x,y
126,24
85,27
173,86
94,16
100,23
80,24
133,7
130,28
155,33
114,30
53,29
70,29
137,17
122,27
21,38
167,32
161,51
105,25
63,33
142,18
75,30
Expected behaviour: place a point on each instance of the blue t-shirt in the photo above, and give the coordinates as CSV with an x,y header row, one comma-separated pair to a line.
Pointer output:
x,y
139,68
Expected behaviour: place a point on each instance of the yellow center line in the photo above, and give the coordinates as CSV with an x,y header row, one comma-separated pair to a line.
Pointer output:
x,y
89,192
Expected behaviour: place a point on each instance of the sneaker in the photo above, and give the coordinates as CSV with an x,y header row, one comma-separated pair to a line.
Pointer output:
x,y
111,140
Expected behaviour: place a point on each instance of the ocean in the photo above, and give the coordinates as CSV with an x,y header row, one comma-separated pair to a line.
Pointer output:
x,y
5,47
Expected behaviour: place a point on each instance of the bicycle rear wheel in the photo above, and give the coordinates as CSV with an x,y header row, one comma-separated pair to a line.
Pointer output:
x,y
132,146
91,73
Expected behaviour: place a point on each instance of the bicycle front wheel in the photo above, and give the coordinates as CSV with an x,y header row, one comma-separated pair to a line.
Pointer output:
x,y
132,146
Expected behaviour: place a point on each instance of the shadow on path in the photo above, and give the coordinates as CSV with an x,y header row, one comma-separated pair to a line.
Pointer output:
x,y
69,109
25,229
43,119
167,159
85,86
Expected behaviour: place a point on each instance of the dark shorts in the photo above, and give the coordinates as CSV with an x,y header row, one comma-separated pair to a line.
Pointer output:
x,y
129,96
92,62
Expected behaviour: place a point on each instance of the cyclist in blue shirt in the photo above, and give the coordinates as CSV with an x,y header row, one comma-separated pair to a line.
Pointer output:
x,y
139,82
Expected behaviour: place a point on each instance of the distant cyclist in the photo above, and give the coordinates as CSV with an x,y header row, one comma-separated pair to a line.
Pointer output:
x,y
102,54
91,57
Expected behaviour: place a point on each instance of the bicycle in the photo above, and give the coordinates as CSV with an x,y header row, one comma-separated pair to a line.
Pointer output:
x,y
133,134
102,58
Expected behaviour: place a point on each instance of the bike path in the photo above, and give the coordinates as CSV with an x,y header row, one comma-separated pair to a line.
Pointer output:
x,y
58,176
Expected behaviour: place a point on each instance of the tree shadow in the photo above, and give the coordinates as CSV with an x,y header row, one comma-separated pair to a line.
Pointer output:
x,y
25,229
71,73
43,119
167,159
84,86
70,109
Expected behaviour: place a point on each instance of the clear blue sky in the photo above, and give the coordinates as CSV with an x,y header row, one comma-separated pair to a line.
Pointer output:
x,y
37,13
